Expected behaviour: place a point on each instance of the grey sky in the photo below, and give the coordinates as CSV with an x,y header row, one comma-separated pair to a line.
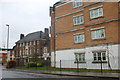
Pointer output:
x,y
23,16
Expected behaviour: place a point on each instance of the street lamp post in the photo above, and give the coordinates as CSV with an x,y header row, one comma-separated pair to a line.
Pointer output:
x,y
7,38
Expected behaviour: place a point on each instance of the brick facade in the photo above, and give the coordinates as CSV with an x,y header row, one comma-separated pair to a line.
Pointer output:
x,y
63,28
65,23
29,45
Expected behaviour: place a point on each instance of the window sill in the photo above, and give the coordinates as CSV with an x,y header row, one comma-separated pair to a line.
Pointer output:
x,y
77,6
79,43
78,24
99,39
80,62
99,62
96,18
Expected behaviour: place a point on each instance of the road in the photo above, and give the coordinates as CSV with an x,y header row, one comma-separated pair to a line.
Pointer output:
x,y
17,75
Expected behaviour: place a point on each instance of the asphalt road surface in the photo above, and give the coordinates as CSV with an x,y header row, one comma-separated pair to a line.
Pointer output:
x,y
17,75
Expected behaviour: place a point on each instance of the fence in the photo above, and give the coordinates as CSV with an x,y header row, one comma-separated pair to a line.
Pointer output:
x,y
72,65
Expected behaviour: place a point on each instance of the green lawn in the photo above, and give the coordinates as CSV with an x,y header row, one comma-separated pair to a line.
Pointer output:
x,y
46,68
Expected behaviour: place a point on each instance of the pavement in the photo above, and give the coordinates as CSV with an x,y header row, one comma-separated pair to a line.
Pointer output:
x,y
69,73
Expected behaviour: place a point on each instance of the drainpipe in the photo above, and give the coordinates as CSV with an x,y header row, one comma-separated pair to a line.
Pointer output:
x,y
54,38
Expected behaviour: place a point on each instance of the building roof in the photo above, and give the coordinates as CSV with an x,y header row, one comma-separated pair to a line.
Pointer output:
x,y
59,3
32,36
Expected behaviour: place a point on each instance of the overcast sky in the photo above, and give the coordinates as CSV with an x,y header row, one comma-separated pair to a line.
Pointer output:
x,y
23,16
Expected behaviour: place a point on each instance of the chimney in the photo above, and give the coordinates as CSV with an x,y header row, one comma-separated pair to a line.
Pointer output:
x,y
21,36
46,31
41,34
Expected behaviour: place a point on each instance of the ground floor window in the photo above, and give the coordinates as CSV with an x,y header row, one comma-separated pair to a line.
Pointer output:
x,y
80,57
98,56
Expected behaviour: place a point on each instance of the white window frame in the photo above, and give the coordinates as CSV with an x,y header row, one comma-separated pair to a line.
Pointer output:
x,y
20,53
23,44
78,37
97,57
37,42
26,43
79,19
0,59
26,51
20,44
30,43
95,12
77,3
96,34
79,57
38,50
0,55
34,42
30,51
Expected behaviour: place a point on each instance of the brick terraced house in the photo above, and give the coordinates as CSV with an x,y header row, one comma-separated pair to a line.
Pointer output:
x,y
85,33
36,43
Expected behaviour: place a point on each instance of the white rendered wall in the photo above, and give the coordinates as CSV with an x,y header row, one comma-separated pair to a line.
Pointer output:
x,y
67,57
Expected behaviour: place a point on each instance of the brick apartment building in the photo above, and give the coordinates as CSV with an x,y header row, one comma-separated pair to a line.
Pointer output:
x,y
34,43
85,32
4,55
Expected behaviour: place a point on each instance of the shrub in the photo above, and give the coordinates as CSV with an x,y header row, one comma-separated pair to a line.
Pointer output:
x,y
31,64
34,64
39,65
11,64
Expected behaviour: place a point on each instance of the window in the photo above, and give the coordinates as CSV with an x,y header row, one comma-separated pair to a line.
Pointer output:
x,y
95,13
0,59
30,51
78,20
23,44
98,34
45,50
98,56
79,38
77,3
0,55
30,43
26,43
34,42
80,57
20,53
37,50
20,44
37,42
26,52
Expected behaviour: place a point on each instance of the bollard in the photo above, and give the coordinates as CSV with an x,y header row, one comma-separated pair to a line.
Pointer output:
x,y
60,65
77,66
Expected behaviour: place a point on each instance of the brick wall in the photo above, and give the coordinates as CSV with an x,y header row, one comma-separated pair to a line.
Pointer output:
x,y
64,22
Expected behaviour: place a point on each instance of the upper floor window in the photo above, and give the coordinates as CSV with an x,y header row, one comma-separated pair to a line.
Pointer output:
x,y
98,56
79,38
77,3
37,42
0,55
30,43
26,43
78,20
20,53
0,59
98,34
23,44
20,44
34,42
80,57
95,13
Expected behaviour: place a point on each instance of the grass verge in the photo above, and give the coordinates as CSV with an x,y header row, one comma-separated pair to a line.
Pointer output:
x,y
46,68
